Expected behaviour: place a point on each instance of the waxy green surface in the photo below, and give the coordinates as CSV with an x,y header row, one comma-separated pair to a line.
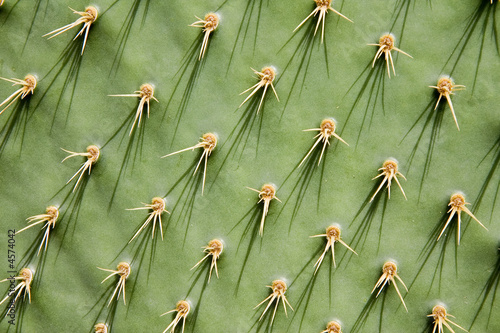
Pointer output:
x,y
158,41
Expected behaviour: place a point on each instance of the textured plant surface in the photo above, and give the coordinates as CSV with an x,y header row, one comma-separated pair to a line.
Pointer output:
x,y
251,34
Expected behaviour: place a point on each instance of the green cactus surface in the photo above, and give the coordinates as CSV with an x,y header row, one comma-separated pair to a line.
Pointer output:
x,y
134,42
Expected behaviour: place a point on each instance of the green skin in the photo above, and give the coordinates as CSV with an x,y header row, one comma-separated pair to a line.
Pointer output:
x,y
71,282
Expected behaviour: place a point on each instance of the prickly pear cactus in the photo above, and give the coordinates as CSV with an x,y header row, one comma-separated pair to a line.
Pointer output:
x,y
395,176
